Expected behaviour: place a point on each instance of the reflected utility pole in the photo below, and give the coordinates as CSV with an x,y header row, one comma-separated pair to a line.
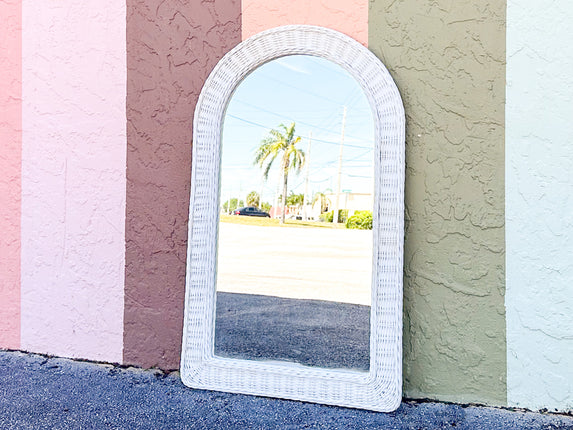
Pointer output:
x,y
306,199
337,201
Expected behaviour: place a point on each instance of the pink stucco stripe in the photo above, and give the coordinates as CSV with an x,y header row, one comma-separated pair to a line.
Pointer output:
x,y
10,168
73,177
347,16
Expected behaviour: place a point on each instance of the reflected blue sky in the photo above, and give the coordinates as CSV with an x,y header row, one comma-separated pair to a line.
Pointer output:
x,y
312,92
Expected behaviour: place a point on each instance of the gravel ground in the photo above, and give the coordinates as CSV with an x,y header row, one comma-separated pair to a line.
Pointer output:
x,y
37,392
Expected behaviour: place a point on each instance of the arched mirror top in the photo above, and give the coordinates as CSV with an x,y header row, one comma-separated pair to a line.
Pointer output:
x,y
363,65
380,388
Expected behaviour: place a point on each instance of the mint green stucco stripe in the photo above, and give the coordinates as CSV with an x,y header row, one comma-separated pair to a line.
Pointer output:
x,y
539,205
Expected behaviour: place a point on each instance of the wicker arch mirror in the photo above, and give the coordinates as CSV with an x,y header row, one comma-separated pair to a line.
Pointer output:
x,y
204,363
293,282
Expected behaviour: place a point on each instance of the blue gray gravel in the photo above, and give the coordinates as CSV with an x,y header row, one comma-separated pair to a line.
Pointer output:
x,y
37,392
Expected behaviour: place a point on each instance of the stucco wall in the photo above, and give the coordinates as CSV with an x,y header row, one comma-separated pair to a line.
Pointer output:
x,y
539,205
171,48
347,16
73,178
448,59
10,167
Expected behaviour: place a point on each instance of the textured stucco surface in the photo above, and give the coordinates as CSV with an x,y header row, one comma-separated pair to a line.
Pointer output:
x,y
10,168
172,47
73,178
539,205
448,60
347,16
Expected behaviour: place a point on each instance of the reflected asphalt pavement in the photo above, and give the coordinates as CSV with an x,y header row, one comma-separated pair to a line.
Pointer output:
x,y
50,393
309,332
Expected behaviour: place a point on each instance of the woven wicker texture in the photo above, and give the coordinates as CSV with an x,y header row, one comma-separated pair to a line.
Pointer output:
x,y
379,389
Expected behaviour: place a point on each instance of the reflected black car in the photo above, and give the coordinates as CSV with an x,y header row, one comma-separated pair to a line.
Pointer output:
x,y
251,211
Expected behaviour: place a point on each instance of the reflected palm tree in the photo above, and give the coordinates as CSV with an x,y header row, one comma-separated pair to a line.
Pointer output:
x,y
281,144
324,201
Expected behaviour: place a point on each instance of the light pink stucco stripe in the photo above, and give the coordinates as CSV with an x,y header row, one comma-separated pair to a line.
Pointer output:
x,y
73,177
10,168
347,16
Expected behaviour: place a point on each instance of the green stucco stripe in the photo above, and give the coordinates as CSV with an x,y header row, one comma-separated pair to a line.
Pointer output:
x,y
448,60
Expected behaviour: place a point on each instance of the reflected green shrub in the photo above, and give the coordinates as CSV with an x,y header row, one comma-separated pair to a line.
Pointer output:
x,y
329,216
361,220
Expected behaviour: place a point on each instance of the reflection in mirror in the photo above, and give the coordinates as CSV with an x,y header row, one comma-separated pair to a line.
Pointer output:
x,y
294,263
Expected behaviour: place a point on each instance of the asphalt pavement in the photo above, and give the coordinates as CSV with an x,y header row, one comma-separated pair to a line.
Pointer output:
x,y
38,392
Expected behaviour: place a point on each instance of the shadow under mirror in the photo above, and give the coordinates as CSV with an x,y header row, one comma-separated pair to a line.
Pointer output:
x,y
294,264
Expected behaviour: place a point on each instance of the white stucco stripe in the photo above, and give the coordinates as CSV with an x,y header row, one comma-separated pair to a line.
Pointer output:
x,y
539,204
73,178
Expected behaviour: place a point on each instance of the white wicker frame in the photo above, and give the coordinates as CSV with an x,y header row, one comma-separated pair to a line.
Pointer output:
x,y
380,389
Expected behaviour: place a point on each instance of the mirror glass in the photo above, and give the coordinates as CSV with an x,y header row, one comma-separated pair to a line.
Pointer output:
x,y
294,259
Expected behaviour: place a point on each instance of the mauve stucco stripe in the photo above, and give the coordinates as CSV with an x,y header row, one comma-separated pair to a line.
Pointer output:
x,y
172,46
73,178
347,16
10,170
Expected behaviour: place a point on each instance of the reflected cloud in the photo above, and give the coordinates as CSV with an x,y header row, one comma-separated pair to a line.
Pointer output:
x,y
289,65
